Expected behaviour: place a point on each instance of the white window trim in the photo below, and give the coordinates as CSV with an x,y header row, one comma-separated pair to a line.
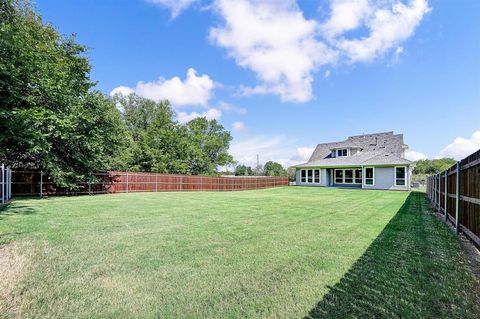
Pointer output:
x,y
313,176
343,176
342,149
365,176
395,176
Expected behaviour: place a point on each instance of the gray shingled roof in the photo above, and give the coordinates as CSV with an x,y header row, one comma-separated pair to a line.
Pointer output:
x,y
375,149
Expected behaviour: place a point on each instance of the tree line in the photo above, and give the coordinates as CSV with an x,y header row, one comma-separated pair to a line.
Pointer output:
x,y
269,169
426,167
52,118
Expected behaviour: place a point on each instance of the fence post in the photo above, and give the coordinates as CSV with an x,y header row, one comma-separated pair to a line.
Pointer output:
x,y
439,191
90,185
127,183
457,200
41,183
181,182
11,182
3,184
446,195
156,183
429,188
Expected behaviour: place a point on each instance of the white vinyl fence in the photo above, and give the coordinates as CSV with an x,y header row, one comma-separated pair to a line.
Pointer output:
x,y
5,184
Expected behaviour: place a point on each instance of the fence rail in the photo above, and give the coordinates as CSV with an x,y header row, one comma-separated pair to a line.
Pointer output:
x,y
455,193
36,183
5,184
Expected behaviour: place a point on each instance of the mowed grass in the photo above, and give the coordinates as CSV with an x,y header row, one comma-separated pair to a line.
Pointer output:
x,y
286,252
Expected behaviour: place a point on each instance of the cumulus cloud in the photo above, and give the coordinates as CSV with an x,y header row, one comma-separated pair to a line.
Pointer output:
x,y
415,156
194,90
122,90
239,126
462,147
346,15
210,114
388,26
284,49
175,6
273,39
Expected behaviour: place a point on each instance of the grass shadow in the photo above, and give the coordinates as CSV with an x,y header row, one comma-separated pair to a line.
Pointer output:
x,y
413,269
10,210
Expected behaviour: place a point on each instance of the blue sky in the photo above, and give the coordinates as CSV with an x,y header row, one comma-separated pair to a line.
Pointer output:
x,y
285,75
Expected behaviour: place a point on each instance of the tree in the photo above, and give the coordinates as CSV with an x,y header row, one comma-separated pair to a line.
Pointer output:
x,y
209,146
49,118
433,166
274,169
426,167
161,144
291,173
242,170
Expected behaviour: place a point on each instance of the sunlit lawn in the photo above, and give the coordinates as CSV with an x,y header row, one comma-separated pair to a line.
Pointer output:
x,y
286,252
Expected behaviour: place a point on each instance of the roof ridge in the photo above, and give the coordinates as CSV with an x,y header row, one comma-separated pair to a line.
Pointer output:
x,y
370,134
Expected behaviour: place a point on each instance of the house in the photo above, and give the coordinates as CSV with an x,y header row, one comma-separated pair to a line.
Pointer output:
x,y
371,161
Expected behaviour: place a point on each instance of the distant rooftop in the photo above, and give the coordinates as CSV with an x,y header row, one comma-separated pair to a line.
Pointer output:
x,y
368,149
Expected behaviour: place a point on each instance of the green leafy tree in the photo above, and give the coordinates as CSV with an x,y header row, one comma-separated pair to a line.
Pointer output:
x,y
209,143
426,167
242,170
291,173
160,144
433,166
274,169
49,118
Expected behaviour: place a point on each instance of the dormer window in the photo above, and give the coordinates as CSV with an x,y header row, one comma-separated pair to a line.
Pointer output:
x,y
342,152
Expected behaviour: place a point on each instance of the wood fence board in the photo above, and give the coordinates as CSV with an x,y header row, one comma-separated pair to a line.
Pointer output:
x,y
468,195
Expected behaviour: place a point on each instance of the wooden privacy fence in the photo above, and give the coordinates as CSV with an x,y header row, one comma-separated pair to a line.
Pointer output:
x,y
456,193
5,185
37,183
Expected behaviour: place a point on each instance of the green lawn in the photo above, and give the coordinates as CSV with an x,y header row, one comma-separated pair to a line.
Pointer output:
x,y
285,252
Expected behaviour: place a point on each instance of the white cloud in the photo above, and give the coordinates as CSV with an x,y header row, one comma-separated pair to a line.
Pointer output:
x,y
285,50
345,15
210,114
273,39
269,148
415,156
303,154
122,90
231,108
175,6
239,127
194,90
388,26
462,147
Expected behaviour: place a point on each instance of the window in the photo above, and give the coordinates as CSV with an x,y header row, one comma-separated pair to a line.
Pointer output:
x,y
348,176
400,174
311,176
358,176
369,176
316,175
342,152
338,176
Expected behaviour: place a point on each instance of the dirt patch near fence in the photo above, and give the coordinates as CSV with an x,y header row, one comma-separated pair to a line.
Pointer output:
x,y
14,261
